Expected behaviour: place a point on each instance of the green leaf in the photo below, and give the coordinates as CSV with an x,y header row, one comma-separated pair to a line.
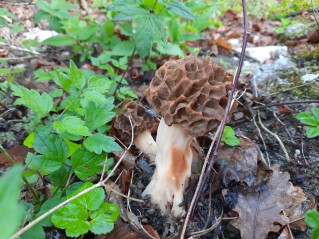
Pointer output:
x,y
72,146
315,112
120,5
73,125
170,49
229,136
60,40
32,177
312,131
303,115
38,16
11,211
46,206
42,104
315,234
53,149
179,9
312,218
101,223
35,232
92,200
60,176
76,76
100,142
123,48
29,140
94,96
72,218
112,210
97,115
144,37
132,12
87,164
310,121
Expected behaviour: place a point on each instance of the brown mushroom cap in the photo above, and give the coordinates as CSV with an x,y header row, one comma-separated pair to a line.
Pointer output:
x,y
140,121
192,93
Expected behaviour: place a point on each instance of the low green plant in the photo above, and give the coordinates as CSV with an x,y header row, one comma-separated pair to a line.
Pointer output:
x,y
312,220
69,137
229,137
311,119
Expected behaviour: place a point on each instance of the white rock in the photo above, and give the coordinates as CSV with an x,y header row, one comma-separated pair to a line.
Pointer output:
x,y
38,34
264,53
309,77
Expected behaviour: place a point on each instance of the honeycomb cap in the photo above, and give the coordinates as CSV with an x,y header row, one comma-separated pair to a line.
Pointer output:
x,y
140,120
192,93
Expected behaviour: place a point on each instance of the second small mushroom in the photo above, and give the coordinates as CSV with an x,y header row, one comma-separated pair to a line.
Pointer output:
x,y
191,96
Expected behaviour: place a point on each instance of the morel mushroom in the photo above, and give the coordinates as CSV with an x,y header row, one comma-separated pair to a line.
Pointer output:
x,y
191,97
142,138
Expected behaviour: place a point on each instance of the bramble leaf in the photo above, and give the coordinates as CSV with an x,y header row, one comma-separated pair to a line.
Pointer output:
x,y
144,37
72,218
100,142
315,112
11,212
180,9
60,40
91,200
73,125
76,76
87,164
42,104
97,115
130,13
54,151
312,131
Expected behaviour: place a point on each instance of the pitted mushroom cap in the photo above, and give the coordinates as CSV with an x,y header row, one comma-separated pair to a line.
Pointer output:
x,y
140,120
192,93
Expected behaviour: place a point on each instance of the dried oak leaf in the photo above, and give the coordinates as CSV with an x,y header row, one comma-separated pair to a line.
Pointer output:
x,y
261,212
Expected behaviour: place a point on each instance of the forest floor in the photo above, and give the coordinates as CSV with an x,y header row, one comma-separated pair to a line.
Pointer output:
x,y
275,85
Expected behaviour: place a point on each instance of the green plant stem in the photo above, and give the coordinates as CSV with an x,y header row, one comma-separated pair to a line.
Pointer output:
x,y
36,197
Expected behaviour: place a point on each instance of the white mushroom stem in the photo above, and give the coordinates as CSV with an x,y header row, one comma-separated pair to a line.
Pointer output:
x,y
173,167
146,144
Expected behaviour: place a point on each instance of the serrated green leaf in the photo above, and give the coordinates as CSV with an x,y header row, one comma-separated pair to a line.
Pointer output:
x,y
310,121
132,12
97,115
100,84
123,48
91,200
315,112
312,131
87,164
60,40
11,211
38,16
315,234
303,115
170,49
93,96
120,5
53,149
100,142
112,210
144,37
72,218
42,104
101,223
76,76
180,9
312,218
73,125
31,177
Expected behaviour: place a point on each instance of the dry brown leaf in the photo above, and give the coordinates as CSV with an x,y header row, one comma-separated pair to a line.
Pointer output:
x,y
244,161
260,212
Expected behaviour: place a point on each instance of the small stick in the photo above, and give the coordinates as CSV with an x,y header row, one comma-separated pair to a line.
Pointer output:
x,y
276,136
123,195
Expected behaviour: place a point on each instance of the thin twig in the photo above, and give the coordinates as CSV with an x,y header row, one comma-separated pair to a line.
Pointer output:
x,y
19,49
123,195
192,205
99,184
229,103
276,136
262,139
